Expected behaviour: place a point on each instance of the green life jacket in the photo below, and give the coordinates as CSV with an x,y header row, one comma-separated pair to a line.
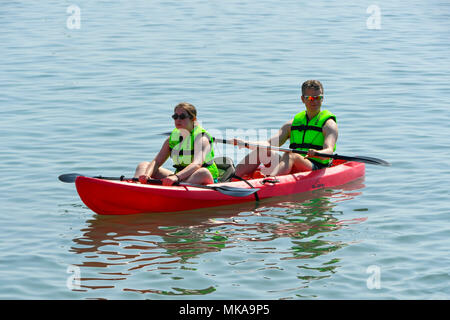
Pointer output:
x,y
307,135
182,150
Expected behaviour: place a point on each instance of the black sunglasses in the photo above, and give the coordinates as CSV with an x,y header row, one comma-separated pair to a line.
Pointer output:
x,y
181,116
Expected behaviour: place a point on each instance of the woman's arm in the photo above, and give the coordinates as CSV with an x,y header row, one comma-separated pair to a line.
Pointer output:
x,y
159,160
202,147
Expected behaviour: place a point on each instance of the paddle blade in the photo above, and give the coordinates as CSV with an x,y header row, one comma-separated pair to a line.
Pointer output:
x,y
235,192
229,191
69,177
363,159
371,160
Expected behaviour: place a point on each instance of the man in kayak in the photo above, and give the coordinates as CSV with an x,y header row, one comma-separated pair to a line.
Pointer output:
x,y
191,149
310,130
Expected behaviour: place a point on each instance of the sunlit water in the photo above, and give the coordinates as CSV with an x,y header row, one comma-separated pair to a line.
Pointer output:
x,y
93,100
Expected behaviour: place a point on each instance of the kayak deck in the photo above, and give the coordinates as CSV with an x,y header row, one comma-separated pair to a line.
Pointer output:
x,y
124,197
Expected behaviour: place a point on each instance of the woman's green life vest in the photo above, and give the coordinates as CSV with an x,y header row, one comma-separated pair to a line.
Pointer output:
x,y
307,135
182,150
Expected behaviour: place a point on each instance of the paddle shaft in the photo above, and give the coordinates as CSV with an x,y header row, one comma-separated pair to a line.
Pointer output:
x,y
227,190
249,144
231,191
368,160
364,159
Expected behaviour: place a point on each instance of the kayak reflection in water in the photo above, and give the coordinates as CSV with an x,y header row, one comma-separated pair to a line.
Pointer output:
x,y
191,149
309,131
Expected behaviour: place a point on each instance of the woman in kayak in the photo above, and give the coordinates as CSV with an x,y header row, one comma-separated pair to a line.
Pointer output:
x,y
310,131
191,149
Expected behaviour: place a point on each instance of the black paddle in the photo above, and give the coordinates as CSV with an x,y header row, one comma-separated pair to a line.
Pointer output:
x,y
230,191
71,177
364,159
368,160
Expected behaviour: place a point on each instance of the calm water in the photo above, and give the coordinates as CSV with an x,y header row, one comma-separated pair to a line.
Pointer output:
x,y
93,100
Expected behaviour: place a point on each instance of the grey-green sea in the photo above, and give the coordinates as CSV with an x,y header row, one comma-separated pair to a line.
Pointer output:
x,y
89,86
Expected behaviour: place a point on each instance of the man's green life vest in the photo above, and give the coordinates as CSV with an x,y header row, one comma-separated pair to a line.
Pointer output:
x,y
182,150
307,134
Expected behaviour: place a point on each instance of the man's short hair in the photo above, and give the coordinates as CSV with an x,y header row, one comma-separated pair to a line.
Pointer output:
x,y
311,84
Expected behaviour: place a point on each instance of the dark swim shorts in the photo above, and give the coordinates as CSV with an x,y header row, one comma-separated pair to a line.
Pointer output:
x,y
318,165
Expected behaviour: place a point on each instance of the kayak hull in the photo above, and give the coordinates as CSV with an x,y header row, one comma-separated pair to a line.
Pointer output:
x,y
108,197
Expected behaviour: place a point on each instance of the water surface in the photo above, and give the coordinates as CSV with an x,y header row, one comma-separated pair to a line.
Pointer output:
x,y
93,100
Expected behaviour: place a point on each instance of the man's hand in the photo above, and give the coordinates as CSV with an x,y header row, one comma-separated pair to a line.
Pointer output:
x,y
311,153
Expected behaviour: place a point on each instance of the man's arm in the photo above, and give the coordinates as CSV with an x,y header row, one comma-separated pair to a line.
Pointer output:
x,y
283,134
330,133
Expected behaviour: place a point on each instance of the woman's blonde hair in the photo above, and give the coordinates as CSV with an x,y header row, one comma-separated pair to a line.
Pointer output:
x,y
189,108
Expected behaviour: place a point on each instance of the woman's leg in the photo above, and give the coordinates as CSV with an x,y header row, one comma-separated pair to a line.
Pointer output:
x,y
159,174
201,176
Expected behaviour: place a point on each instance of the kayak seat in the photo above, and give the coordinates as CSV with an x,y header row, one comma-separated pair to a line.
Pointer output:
x,y
226,168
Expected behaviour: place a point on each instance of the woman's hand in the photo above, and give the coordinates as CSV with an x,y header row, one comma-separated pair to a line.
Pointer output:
x,y
143,179
170,180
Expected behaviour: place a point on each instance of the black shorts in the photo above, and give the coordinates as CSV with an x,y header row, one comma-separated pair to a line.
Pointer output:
x,y
317,165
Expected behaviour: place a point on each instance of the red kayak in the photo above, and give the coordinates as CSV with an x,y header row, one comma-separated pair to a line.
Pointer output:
x,y
126,197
